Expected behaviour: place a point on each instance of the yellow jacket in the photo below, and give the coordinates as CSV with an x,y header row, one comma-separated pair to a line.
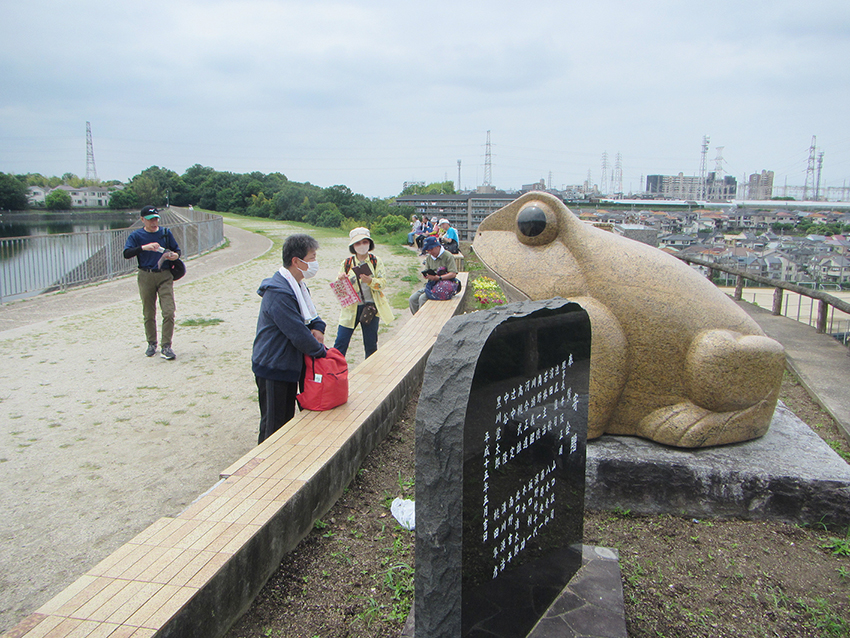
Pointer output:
x,y
376,286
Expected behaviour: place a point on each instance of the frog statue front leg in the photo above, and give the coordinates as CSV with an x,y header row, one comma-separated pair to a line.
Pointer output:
x,y
730,382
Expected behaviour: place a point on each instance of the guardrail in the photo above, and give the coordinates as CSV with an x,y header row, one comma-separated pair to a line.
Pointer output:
x,y
827,304
46,263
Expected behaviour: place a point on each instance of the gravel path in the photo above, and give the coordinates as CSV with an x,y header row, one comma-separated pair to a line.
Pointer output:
x,y
97,441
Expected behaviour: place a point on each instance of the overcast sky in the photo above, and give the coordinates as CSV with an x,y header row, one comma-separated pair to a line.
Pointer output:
x,y
373,93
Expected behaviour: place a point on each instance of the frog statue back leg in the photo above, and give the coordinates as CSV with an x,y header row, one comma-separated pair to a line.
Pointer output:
x,y
673,359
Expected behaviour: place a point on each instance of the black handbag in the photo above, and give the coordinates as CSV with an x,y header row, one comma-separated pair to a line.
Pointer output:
x,y
177,268
370,311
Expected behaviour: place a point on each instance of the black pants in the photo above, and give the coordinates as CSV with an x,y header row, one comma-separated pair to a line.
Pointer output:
x,y
277,405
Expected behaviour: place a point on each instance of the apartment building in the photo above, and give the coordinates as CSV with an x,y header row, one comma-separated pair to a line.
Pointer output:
x,y
464,210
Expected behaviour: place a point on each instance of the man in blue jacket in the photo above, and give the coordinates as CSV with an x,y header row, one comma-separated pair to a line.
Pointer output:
x,y
288,328
150,245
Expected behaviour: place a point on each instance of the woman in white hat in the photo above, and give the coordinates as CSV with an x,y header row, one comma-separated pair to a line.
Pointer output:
x,y
366,273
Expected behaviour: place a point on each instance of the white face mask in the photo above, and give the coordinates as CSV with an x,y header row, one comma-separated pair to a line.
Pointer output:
x,y
312,268
361,249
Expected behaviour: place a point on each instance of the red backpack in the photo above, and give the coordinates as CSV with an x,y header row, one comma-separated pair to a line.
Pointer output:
x,y
325,383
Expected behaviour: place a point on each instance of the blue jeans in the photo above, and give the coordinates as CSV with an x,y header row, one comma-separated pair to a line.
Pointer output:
x,y
370,334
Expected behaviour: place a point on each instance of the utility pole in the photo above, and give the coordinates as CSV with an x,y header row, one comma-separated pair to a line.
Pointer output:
x,y
810,170
717,185
488,164
603,183
618,175
91,171
702,168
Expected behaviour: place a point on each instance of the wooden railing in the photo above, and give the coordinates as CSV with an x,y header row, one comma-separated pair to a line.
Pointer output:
x,y
824,299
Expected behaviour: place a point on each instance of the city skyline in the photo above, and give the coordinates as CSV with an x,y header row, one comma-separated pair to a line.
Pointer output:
x,y
373,94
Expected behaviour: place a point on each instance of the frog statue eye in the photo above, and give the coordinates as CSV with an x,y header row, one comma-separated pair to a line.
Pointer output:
x,y
536,224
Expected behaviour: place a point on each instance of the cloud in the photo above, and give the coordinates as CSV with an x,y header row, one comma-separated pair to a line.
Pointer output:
x,y
374,92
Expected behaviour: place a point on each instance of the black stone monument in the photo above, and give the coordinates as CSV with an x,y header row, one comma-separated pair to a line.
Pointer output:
x,y
500,460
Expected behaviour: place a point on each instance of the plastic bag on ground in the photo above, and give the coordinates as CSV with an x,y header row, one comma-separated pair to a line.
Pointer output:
x,y
404,511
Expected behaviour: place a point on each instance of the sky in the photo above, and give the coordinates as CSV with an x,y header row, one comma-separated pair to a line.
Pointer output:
x,y
374,93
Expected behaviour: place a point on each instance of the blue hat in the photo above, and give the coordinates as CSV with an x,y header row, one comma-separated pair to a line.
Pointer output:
x,y
429,243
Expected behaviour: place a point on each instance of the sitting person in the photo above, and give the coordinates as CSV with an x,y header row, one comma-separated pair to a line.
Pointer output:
x,y
438,257
448,237
370,288
431,229
415,229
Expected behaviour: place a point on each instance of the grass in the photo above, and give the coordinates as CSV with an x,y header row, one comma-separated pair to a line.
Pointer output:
x,y
214,321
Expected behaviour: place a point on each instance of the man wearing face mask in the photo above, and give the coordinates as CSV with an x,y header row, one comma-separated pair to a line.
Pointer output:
x,y
288,328
366,272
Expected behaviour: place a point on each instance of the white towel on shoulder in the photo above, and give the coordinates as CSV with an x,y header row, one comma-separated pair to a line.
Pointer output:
x,y
305,301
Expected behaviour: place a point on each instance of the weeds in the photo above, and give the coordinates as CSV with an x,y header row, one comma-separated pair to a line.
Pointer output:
x,y
191,323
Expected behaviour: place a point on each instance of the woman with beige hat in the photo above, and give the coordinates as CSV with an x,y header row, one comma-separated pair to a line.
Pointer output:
x,y
366,273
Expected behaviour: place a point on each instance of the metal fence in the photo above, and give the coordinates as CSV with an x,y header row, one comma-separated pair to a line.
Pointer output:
x,y
33,265
824,312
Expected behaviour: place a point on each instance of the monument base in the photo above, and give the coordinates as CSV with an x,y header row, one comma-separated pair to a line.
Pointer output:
x,y
590,606
790,474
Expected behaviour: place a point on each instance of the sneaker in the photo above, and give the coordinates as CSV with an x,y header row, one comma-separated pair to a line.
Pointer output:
x,y
168,353
151,351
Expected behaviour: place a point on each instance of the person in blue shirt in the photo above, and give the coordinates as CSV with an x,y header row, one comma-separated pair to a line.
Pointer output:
x,y
152,245
448,237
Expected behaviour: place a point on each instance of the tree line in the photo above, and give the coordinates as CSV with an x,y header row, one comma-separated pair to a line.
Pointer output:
x,y
256,194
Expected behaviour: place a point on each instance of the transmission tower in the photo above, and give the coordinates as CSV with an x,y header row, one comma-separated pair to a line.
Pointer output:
x,y
618,174
810,170
458,176
488,164
820,168
702,168
603,185
91,171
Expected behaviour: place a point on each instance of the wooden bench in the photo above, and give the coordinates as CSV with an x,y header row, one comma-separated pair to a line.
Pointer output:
x,y
196,573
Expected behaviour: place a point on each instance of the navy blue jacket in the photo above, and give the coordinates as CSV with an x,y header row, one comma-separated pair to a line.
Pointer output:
x,y
282,337
148,259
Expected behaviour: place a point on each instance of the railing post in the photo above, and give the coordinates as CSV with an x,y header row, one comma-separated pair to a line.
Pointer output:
x,y
739,287
777,301
823,311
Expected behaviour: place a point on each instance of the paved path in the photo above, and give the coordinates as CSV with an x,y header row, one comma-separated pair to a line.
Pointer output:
x,y
820,362
96,441
242,246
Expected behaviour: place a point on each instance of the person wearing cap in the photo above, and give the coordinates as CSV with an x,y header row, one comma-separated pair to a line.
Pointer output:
x,y
149,245
438,257
448,237
288,327
370,288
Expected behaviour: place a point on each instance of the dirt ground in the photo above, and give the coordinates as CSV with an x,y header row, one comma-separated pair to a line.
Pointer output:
x,y
682,578
98,441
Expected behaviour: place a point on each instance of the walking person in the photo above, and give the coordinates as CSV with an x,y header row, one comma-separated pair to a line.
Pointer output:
x,y
288,327
366,272
150,245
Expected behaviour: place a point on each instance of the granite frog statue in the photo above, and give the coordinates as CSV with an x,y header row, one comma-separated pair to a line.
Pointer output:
x,y
673,359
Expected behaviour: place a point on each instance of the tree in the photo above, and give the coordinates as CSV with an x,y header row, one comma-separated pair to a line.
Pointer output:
x,y
147,191
435,188
124,198
58,200
13,193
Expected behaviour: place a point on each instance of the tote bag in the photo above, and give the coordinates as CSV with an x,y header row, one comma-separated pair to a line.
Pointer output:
x,y
325,381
